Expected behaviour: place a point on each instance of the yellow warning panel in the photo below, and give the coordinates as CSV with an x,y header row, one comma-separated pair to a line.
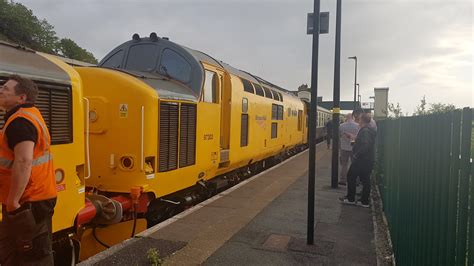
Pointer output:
x,y
123,110
110,235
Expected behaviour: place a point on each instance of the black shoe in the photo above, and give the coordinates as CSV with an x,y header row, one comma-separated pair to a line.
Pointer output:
x,y
364,205
342,183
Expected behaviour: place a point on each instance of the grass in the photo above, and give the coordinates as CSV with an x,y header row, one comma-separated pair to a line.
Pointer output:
x,y
154,257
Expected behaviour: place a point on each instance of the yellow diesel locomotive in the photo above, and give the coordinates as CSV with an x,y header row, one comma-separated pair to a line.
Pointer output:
x,y
60,102
155,128
63,106
180,125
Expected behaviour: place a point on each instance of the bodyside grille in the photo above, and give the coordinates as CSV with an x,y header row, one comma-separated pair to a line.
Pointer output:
x,y
168,136
187,135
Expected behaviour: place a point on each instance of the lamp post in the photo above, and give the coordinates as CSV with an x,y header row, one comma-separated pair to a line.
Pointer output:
x,y
358,94
355,78
373,98
312,124
336,98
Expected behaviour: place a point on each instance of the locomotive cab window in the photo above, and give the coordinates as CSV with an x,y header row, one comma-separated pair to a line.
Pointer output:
x,y
142,57
114,61
174,66
211,85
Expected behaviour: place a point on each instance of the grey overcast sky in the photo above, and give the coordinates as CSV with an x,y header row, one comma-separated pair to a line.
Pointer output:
x,y
416,48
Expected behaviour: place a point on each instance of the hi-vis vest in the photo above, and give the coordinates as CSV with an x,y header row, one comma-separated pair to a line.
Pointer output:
x,y
41,185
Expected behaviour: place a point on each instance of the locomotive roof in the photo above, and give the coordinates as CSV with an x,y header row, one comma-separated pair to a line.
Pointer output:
x,y
193,58
16,59
201,56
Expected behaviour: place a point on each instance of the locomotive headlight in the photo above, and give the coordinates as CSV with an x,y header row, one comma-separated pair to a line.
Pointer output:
x,y
127,162
59,176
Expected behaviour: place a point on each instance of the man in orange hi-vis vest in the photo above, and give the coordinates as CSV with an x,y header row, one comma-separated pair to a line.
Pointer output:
x,y
27,183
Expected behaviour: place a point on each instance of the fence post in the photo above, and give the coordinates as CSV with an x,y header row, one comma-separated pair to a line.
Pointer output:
x,y
466,130
453,188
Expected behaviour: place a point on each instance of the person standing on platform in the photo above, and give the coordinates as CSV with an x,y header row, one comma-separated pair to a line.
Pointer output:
x,y
356,114
27,180
363,158
346,131
373,125
329,130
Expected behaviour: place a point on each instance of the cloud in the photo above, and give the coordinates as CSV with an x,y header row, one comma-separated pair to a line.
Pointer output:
x,y
414,47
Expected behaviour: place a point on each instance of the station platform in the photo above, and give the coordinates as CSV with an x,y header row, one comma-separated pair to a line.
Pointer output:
x,y
261,221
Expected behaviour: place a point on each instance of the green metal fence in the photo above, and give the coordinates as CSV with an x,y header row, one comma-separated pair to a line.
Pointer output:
x,y
424,168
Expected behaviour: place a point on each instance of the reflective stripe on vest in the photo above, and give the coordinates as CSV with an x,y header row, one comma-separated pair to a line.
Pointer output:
x,y
45,130
40,160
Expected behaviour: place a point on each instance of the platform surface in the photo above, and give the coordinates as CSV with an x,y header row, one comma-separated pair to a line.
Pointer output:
x,y
262,222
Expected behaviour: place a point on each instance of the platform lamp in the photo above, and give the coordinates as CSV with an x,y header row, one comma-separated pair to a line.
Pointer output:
x,y
373,98
358,94
355,78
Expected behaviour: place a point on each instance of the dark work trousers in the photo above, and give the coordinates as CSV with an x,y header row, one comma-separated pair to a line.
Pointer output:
x,y
328,140
361,169
40,251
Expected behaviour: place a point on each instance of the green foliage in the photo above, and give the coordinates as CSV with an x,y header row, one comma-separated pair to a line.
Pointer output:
x,y
394,111
18,24
154,257
421,109
435,108
68,48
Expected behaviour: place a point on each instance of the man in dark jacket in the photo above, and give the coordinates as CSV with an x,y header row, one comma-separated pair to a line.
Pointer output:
x,y
363,157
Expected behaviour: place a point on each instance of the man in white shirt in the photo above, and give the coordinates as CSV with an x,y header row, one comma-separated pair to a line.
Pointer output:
x,y
347,130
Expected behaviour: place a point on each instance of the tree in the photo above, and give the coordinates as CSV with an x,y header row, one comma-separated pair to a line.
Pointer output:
x,y
46,37
437,108
19,25
68,48
394,111
421,109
